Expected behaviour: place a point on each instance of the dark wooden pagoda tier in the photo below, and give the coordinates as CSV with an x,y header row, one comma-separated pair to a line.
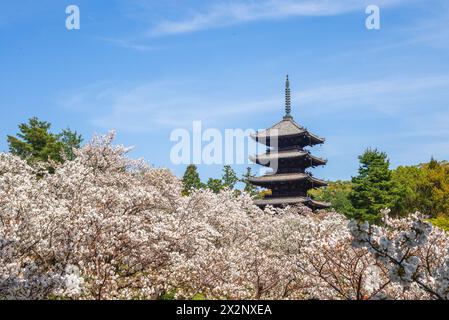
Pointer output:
x,y
286,134
300,179
288,159
286,201
289,182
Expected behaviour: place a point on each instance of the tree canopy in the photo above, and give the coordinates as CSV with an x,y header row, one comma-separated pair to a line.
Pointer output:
x,y
191,180
229,178
373,188
337,194
249,187
35,143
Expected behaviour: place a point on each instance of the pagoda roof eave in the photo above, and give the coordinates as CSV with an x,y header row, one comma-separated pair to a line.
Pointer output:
x,y
260,136
318,204
286,177
266,158
291,201
280,201
285,128
318,160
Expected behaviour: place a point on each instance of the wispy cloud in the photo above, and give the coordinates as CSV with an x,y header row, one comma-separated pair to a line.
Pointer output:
x,y
242,11
129,44
389,96
151,106
432,30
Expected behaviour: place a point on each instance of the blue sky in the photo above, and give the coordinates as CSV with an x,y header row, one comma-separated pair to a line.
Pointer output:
x,y
145,68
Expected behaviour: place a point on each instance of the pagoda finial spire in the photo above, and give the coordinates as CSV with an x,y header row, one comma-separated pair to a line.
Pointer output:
x,y
288,107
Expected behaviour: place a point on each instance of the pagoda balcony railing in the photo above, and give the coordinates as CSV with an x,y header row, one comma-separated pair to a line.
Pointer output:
x,y
268,151
308,152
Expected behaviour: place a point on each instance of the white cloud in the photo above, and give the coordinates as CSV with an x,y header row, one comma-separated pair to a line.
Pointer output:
x,y
386,95
151,106
129,44
432,30
236,12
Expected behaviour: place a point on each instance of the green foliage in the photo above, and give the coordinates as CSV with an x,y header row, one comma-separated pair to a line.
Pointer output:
x,y
191,180
407,179
434,188
35,142
229,178
199,296
170,295
70,140
423,188
249,187
337,194
216,185
441,222
373,189
264,193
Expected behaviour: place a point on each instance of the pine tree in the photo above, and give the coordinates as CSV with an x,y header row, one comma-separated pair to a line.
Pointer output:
x,y
70,140
249,187
373,189
216,185
36,143
229,178
191,180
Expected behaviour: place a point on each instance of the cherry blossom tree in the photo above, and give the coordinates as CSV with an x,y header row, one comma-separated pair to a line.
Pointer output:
x,y
414,253
104,226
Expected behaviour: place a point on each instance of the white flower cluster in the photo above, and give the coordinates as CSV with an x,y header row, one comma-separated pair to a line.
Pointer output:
x,y
415,254
107,227
442,281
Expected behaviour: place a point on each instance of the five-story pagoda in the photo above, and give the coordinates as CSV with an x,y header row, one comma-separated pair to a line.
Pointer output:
x,y
289,182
